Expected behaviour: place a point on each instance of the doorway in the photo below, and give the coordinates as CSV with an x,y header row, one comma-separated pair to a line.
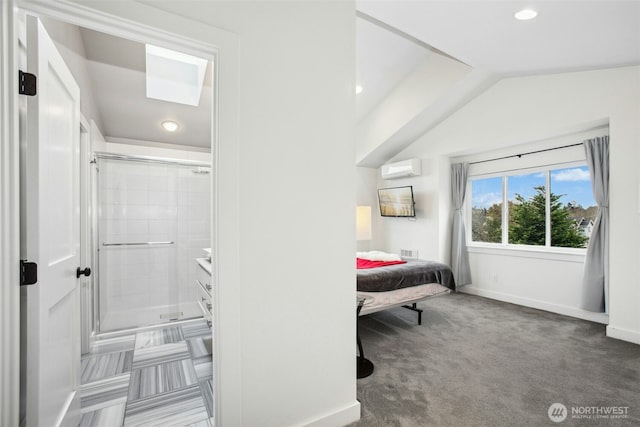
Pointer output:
x,y
71,380
144,207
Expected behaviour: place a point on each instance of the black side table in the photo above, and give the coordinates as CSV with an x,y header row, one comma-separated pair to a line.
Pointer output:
x,y
364,365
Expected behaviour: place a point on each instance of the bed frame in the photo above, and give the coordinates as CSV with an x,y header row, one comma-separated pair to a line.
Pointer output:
x,y
405,297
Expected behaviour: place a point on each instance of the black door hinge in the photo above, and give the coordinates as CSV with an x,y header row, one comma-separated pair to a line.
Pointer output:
x,y
27,83
28,272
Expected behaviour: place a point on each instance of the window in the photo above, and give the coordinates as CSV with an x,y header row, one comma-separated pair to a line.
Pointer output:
x,y
527,209
517,208
486,213
572,207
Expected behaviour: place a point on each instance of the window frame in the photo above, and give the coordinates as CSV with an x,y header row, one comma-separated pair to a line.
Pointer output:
x,y
505,245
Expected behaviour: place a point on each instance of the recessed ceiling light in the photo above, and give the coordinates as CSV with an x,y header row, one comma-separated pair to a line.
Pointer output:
x,y
170,126
526,14
359,89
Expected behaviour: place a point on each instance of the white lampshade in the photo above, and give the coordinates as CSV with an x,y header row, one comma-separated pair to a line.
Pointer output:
x,y
363,223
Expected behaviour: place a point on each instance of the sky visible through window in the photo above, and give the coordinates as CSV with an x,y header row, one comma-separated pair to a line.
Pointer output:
x,y
574,184
524,185
486,192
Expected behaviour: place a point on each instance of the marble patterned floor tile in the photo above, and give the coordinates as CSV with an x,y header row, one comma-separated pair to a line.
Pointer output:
x,y
158,337
199,346
203,367
157,379
200,350
111,345
111,416
105,365
179,408
206,388
203,423
196,329
147,356
105,392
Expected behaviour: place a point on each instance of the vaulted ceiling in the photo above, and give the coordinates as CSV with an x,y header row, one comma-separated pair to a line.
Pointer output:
x,y
418,61
399,104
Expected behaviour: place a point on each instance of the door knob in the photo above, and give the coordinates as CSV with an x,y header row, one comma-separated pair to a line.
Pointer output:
x,y
80,272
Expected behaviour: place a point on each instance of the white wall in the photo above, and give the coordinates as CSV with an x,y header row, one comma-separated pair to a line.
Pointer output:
x,y
287,208
518,111
430,199
432,211
296,188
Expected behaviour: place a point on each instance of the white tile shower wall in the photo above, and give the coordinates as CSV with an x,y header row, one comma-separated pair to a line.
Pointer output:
x,y
142,202
194,227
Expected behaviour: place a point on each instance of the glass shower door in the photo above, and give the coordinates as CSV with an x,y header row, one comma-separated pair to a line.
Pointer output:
x,y
153,221
137,233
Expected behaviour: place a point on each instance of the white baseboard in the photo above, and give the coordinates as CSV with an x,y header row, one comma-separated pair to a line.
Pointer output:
x,y
340,418
537,304
623,334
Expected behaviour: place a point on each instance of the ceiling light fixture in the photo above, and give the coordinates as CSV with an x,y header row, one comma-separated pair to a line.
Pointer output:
x,y
359,89
170,126
525,14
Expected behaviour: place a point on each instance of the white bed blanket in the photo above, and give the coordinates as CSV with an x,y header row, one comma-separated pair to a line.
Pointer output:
x,y
378,256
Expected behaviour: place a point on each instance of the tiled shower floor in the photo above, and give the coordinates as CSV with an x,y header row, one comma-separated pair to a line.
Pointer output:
x,y
160,377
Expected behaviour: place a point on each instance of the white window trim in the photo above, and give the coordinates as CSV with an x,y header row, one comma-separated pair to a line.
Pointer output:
x,y
525,251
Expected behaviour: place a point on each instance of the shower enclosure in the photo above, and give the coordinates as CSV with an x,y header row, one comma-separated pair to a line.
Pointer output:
x,y
153,219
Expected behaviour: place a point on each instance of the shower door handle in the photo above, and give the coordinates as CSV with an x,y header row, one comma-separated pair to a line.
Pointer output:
x,y
80,272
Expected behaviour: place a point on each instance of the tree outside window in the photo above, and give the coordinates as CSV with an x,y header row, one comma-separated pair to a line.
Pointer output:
x,y
527,209
486,217
572,212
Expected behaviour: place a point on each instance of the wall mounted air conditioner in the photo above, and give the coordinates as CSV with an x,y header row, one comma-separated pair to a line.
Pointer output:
x,y
401,169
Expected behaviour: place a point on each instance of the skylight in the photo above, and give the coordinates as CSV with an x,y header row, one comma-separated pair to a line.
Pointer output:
x,y
173,76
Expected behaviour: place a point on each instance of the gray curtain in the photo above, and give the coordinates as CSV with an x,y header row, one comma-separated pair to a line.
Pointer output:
x,y
459,254
595,282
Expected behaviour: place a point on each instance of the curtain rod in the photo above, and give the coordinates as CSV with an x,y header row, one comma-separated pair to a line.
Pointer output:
x,y
524,154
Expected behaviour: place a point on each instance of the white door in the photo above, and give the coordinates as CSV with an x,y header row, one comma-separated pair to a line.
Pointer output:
x,y
52,237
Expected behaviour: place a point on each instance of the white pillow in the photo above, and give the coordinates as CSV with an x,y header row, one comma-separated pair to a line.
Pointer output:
x,y
378,256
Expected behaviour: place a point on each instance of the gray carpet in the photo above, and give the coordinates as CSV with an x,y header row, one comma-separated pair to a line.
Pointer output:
x,y
480,362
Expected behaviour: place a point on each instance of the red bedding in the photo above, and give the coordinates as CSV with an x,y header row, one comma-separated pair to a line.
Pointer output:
x,y
362,263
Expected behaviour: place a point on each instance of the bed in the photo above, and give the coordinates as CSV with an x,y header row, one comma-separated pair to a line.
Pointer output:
x,y
402,283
